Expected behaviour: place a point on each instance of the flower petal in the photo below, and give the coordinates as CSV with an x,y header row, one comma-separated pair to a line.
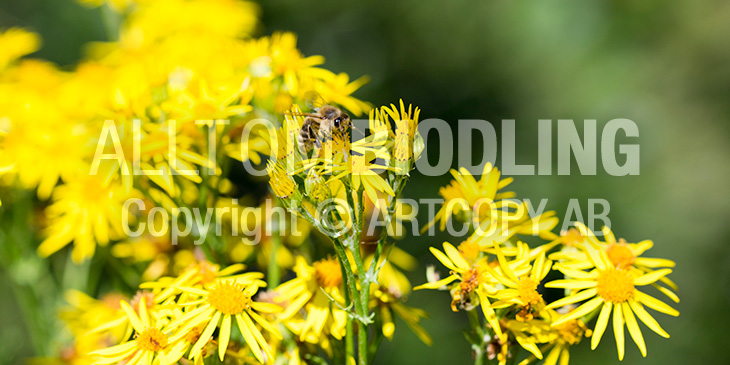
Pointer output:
x,y
437,284
648,320
224,336
205,336
443,258
250,340
652,277
133,319
655,304
601,324
581,311
456,257
618,330
633,327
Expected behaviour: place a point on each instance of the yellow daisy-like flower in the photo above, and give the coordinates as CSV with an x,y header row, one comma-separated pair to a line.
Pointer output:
x,y
201,103
217,307
84,211
558,339
569,333
39,145
613,290
473,280
312,291
278,56
621,254
151,345
338,89
521,290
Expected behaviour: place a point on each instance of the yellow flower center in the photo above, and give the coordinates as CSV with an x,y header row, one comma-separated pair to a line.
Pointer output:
x,y
571,237
615,286
528,291
327,273
194,334
147,297
620,254
572,331
229,298
471,279
208,272
152,339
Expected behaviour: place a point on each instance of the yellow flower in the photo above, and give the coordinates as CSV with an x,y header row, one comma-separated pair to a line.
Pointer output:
x,y
227,299
473,280
521,290
87,212
406,122
621,254
151,345
200,102
614,290
188,19
569,333
337,89
160,160
312,290
39,145
558,339
82,316
316,186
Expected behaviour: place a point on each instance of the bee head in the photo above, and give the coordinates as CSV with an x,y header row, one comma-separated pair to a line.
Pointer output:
x,y
341,120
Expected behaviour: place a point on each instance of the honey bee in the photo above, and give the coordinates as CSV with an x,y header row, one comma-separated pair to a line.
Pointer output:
x,y
319,127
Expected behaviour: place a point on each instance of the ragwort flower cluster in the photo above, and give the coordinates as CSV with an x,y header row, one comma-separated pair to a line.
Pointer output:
x,y
493,272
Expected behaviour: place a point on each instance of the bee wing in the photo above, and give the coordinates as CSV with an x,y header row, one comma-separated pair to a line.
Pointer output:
x,y
313,100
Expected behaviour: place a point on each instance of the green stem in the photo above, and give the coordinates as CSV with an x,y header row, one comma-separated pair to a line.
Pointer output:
x,y
480,345
362,346
355,302
362,324
399,184
349,330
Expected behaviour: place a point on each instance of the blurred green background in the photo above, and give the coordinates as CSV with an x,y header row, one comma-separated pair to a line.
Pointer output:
x,y
663,64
